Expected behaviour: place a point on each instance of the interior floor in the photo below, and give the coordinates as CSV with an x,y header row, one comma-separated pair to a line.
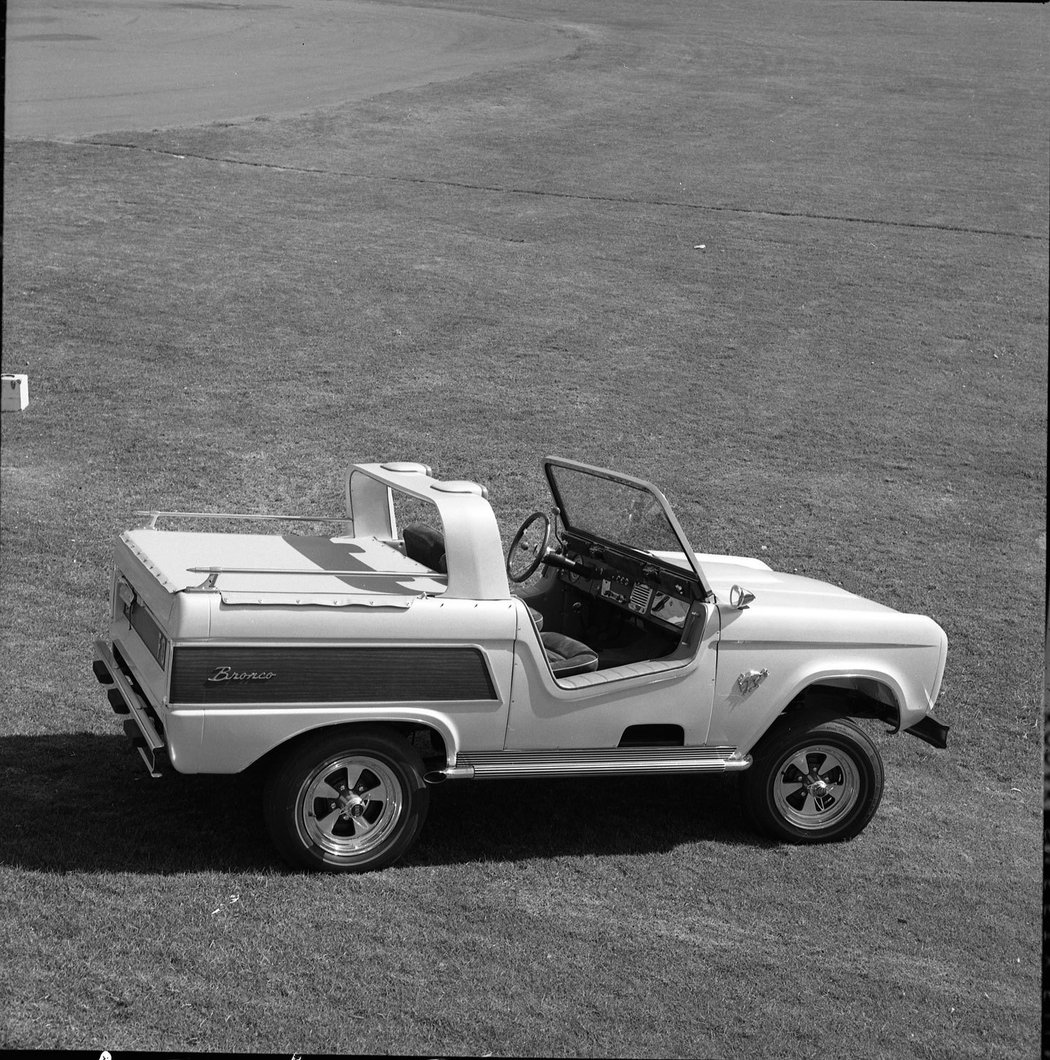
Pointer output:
x,y
616,636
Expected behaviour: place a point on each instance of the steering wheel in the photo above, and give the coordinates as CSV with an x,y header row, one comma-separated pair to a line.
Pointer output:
x,y
529,548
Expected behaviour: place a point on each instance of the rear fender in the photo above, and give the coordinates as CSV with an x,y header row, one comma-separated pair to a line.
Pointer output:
x,y
237,738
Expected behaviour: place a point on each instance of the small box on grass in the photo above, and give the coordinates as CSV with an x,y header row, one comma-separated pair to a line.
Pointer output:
x,y
14,390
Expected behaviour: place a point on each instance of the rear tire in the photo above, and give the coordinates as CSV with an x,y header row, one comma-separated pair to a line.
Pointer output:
x,y
346,801
814,780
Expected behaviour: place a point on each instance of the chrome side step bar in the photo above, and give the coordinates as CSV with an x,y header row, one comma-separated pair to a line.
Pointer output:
x,y
591,762
139,728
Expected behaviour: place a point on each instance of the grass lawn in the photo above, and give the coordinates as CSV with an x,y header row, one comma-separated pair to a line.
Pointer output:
x,y
790,262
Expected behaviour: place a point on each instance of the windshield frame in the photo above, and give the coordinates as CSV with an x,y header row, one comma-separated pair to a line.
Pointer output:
x,y
636,483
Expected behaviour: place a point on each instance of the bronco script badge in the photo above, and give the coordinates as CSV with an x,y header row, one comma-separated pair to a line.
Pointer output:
x,y
224,673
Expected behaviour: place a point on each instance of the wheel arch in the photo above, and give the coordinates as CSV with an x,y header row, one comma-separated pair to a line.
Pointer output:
x,y
429,739
345,798
850,695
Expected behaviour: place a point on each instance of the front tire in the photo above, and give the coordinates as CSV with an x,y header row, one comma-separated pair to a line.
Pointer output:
x,y
346,801
814,782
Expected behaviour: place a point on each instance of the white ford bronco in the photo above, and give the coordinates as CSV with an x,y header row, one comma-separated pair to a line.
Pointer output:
x,y
358,669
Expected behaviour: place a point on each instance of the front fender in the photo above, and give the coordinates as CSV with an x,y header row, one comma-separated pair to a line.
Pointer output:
x,y
903,677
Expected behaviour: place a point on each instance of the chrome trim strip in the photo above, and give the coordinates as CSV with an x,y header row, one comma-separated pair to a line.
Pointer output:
x,y
725,643
402,575
153,516
598,761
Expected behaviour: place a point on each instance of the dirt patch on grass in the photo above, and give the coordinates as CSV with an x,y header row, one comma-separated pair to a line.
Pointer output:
x,y
119,65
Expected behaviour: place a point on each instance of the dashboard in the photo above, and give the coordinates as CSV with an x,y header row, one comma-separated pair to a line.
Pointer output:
x,y
644,600
651,592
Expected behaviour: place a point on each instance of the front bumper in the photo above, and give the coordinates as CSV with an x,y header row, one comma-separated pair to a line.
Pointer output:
x,y
125,700
931,731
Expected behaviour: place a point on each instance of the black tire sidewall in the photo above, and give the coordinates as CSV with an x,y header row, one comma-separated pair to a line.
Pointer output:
x,y
281,792
788,740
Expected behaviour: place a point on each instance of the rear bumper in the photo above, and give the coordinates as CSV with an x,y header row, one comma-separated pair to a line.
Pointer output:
x,y
124,700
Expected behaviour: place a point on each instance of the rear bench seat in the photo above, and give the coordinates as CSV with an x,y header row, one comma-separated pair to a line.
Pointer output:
x,y
425,545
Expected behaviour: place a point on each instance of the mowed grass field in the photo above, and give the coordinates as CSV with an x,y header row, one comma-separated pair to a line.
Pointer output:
x,y
790,262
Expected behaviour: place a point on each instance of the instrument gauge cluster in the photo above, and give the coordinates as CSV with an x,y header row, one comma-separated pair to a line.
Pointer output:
x,y
642,599
645,597
617,588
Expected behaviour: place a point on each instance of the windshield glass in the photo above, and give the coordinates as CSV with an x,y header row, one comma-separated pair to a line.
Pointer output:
x,y
619,512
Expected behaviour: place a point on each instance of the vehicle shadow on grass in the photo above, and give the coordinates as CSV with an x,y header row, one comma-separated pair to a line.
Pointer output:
x,y
83,802
522,819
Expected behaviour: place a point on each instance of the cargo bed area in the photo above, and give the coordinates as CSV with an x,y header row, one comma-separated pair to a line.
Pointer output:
x,y
261,567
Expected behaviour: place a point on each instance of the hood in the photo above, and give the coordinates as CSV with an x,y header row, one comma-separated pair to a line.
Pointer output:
x,y
809,629
774,588
791,609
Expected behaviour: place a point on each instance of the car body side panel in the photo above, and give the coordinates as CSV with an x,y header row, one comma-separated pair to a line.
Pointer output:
x,y
544,714
239,728
184,737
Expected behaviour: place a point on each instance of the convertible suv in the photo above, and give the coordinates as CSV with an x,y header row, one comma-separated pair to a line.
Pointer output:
x,y
358,669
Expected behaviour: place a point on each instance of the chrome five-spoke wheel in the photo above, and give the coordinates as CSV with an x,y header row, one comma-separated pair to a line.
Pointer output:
x,y
347,800
814,780
349,804
816,787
